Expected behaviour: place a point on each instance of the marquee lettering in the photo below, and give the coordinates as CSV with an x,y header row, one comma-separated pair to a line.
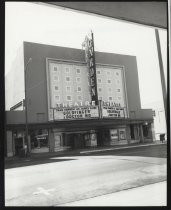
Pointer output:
x,y
93,92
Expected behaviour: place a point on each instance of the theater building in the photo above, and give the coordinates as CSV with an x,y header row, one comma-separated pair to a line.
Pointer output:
x,y
61,112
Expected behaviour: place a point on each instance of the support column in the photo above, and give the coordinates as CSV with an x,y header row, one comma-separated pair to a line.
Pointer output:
x,y
151,131
9,142
141,134
24,140
51,141
135,132
163,84
128,135
29,143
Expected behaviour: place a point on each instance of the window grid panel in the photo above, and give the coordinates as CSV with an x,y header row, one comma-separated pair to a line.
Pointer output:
x,y
57,98
68,88
67,70
78,79
79,89
56,87
55,68
78,71
109,86
100,89
79,98
68,79
99,80
56,78
69,98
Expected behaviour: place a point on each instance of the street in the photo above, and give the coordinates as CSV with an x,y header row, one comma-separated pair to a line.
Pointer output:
x,y
74,178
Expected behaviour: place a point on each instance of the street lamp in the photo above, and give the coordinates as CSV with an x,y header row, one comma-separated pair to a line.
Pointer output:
x,y
26,120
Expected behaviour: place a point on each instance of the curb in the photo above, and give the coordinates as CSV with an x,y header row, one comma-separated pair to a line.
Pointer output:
x,y
118,148
81,152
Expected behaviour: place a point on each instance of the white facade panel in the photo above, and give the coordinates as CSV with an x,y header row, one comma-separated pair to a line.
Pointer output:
x,y
68,85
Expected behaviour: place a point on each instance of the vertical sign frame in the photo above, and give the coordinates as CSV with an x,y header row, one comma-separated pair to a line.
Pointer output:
x,y
88,44
94,66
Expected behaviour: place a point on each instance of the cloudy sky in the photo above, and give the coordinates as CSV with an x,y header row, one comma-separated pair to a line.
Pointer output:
x,y
62,27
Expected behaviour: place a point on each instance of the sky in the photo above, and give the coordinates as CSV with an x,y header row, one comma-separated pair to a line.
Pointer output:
x,y
39,23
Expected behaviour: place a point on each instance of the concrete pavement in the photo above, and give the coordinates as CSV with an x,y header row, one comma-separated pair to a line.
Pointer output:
x,y
78,178
148,195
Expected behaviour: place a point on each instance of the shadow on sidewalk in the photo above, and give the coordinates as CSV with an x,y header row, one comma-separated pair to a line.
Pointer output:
x,y
28,162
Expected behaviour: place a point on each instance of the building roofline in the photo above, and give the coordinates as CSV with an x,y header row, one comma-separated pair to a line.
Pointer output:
x,y
71,48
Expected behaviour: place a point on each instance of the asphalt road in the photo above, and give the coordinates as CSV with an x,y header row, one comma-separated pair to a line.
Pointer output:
x,y
79,177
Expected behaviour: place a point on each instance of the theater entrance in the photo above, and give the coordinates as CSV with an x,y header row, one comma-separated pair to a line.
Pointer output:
x,y
74,140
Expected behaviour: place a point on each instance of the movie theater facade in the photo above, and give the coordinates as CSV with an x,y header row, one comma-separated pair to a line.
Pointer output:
x,y
75,99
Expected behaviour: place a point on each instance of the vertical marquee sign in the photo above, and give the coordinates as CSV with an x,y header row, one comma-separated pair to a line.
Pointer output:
x,y
88,45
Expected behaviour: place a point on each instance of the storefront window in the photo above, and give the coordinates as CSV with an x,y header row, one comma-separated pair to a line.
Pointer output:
x,y
39,141
145,130
114,134
122,135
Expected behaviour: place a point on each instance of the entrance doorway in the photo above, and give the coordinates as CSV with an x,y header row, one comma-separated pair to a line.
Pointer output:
x,y
145,131
100,136
103,137
75,140
132,132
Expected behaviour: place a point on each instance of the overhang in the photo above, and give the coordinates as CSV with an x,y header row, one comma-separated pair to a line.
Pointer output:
x,y
80,125
149,13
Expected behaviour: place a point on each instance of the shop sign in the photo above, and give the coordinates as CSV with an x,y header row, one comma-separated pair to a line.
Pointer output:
x,y
41,136
20,135
113,112
71,113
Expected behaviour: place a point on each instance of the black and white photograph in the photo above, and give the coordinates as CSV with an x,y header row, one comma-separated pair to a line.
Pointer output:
x,y
86,104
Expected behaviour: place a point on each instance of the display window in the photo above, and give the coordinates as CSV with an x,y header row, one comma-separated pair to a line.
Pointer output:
x,y
39,141
122,134
114,134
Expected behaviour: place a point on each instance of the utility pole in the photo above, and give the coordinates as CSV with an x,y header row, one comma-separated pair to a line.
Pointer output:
x,y
163,84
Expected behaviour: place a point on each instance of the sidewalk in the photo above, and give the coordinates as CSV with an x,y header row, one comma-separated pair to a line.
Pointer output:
x,y
118,147
37,157
148,195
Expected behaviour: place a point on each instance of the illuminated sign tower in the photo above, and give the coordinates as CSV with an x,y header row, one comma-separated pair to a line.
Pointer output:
x,y
88,45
